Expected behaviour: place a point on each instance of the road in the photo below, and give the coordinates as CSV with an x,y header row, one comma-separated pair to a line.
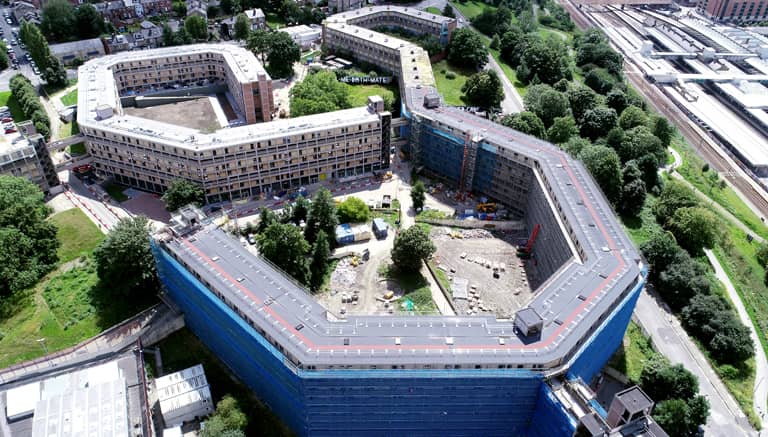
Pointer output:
x,y
512,101
104,215
670,339
24,67
760,392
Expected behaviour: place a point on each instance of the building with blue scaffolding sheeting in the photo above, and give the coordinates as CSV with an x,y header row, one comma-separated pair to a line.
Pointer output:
x,y
431,375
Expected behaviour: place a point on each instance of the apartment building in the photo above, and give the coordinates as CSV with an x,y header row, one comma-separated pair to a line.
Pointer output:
x,y
344,5
230,163
28,158
246,79
414,20
735,11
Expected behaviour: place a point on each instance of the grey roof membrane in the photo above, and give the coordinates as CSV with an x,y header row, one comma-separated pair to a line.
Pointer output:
x,y
571,302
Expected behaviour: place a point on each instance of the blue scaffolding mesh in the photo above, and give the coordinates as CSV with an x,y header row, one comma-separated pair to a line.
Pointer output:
x,y
550,419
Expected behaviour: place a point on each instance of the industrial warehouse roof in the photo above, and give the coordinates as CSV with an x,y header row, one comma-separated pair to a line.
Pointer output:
x,y
572,303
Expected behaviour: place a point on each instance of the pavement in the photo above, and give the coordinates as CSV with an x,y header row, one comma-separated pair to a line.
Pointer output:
x,y
669,338
760,394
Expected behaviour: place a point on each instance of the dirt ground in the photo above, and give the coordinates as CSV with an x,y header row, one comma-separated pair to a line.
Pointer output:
x,y
465,258
194,114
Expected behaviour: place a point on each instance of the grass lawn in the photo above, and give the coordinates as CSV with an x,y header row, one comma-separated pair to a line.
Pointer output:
x,y
69,129
182,349
390,217
442,277
450,88
49,89
358,94
16,112
65,307
275,21
691,170
116,192
69,98
472,9
434,10
415,288
77,149
77,234
634,352
310,54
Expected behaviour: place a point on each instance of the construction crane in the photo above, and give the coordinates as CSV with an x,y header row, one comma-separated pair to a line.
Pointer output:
x,y
524,251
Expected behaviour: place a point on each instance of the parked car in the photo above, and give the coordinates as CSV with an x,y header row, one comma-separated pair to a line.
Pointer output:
x,y
7,120
11,130
36,71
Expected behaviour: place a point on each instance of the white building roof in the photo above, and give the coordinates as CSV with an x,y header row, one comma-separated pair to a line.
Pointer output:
x,y
183,395
21,401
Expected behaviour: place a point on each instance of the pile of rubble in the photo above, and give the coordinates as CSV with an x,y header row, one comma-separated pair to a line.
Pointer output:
x,y
444,233
344,276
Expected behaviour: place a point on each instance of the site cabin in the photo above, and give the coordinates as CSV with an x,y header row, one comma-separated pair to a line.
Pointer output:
x,y
380,228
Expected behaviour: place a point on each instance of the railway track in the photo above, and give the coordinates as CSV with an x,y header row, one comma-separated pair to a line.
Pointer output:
x,y
736,174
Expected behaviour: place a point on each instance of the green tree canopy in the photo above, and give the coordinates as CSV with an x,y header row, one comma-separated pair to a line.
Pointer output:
x,y
662,381
410,248
284,245
675,195
183,192
58,20
124,259
242,27
318,93
660,250
603,163
681,280
418,195
266,218
493,21
196,27
694,228
525,122
448,11
467,49
582,100
258,43
319,265
28,242
300,210
353,210
631,117
547,103
562,130
546,60
600,80
597,122
663,130
483,89
322,216
90,23
281,55
617,100
228,420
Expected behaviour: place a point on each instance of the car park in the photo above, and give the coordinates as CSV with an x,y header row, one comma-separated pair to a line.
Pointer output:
x,y
36,71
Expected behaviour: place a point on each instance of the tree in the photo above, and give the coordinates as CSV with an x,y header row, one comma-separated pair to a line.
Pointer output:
x,y
242,27
597,122
318,93
512,45
676,418
545,59
124,259
196,27
660,250
58,20
662,381
258,42
300,210
631,117
226,6
762,254
411,247
563,129
353,210
483,89
467,49
525,122
617,100
266,218
632,198
322,216
675,195
729,339
547,103
495,42
169,39
417,195
28,242
4,61
284,245
283,52
663,130
448,11
54,73
638,142
681,280
228,420
319,265
582,100
90,23
603,163
694,228
183,192
493,21
599,80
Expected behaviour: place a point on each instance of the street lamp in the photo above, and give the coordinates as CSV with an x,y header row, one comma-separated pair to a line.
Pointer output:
x,y
41,341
